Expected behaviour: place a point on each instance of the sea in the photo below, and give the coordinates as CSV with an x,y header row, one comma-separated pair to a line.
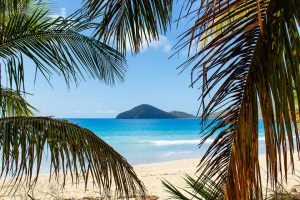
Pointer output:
x,y
142,141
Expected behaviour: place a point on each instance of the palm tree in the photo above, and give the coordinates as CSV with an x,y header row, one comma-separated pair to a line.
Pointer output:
x,y
244,54
55,46
128,24
193,189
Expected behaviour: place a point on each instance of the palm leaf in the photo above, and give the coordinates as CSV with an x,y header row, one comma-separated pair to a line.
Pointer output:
x,y
246,55
56,46
193,189
128,24
73,150
14,104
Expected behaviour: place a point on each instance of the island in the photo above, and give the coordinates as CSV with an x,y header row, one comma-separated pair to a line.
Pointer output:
x,y
180,114
145,111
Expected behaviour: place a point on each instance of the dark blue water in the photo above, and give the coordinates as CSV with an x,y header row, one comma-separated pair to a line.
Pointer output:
x,y
151,140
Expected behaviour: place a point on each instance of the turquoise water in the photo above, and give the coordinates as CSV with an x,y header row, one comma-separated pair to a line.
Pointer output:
x,y
151,140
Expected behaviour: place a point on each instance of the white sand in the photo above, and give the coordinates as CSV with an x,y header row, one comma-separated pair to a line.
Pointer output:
x,y
150,174
173,171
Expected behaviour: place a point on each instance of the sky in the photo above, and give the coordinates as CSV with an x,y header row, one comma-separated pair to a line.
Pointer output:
x,y
151,78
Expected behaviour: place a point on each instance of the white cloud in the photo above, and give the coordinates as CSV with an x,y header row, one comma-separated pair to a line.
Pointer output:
x,y
163,43
167,48
62,13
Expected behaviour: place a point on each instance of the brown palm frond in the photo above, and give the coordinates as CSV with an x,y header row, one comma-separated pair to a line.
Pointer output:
x,y
129,24
247,54
73,150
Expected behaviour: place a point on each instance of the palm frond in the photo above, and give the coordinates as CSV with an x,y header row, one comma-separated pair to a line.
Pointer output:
x,y
57,46
14,104
280,193
247,54
193,189
73,150
128,24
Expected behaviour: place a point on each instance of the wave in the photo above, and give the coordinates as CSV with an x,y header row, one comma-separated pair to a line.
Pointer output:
x,y
263,138
181,142
174,142
175,153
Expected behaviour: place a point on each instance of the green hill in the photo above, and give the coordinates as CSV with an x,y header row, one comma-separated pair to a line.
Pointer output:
x,y
180,114
145,111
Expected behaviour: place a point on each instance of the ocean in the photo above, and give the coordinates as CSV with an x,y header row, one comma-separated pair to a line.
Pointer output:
x,y
143,141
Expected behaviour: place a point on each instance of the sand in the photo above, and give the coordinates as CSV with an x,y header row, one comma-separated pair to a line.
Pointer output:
x,y
173,171
150,174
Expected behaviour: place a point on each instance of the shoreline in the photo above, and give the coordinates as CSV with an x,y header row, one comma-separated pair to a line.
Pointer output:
x,y
151,174
162,162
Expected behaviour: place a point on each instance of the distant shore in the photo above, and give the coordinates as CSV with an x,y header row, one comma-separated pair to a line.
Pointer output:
x,y
150,174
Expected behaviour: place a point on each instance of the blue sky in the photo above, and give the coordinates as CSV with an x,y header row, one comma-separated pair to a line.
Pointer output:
x,y
151,78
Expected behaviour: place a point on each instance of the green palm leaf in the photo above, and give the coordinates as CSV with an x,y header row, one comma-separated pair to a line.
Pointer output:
x,y
14,104
56,45
193,189
246,55
129,23
73,150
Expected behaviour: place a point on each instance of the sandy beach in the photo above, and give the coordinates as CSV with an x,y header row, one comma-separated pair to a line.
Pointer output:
x,y
150,174
173,171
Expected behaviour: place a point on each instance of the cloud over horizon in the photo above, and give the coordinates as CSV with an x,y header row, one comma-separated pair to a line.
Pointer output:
x,y
61,13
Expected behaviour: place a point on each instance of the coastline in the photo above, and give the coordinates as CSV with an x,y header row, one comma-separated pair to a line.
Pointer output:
x,y
151,174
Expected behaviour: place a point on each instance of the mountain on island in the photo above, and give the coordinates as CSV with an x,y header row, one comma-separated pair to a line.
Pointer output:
x,y
180,114
146,111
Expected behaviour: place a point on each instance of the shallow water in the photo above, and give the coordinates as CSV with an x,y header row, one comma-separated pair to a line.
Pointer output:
x,y
151,140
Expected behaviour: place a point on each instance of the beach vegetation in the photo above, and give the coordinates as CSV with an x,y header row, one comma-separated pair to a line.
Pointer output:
x,y
30,37
244,56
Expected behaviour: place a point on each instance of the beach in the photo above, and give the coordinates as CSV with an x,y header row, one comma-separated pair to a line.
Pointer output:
x,y
145,91
174,171
157,149
151,174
